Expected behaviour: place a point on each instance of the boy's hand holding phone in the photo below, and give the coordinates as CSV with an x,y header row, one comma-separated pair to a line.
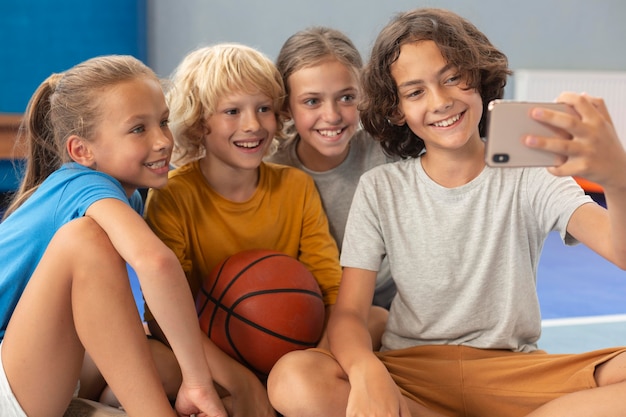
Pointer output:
x,y
509,122
594,151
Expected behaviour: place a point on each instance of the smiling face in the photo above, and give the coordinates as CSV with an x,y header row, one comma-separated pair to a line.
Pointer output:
x,y
323,105
240,131
434,100
132,141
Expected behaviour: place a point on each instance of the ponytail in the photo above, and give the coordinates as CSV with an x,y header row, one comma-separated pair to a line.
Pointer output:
x,y
67,104
42,153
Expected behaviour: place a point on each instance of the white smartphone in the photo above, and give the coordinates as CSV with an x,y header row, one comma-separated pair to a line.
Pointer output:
x,y
507,123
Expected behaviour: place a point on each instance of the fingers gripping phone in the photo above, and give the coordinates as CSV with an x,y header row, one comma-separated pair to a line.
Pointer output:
x,y
507,123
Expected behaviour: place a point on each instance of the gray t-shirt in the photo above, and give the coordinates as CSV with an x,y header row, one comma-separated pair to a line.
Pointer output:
x,y
336,188
464,259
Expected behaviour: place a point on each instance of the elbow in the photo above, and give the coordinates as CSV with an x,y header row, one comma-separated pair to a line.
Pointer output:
x,y
157,261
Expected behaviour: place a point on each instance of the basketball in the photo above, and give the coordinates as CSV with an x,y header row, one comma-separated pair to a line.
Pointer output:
x,y
258,305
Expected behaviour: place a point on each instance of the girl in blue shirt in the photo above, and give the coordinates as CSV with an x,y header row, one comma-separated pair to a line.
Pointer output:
x,y
95,134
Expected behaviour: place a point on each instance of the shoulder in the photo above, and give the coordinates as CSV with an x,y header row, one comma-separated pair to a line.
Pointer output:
x,y
388,179
186,171
188,175
74,188
184,185
532,177
76,178
73,170
364,140
281,170
285,174
369,148
403,168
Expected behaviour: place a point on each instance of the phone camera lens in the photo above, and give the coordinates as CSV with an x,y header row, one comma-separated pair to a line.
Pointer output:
x,y
501,158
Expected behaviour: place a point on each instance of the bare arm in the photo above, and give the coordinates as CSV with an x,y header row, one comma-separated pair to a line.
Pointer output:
x,y
249,397
373,392
166,290
594,152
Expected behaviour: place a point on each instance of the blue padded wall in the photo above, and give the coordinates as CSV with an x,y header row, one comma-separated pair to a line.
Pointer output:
x,y
39,37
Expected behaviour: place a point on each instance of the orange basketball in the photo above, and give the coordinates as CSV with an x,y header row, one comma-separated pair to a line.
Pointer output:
x,y
258,305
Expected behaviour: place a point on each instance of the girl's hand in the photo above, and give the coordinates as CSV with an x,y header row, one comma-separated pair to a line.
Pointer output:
x,y
200,401
594,151
243,394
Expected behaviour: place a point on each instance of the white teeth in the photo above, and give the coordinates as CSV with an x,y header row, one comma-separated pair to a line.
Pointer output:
x,y
248,144
330,133
448,122
156,165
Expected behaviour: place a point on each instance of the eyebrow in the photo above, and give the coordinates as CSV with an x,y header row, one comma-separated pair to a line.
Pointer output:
x,y
317,93
142,117
411,83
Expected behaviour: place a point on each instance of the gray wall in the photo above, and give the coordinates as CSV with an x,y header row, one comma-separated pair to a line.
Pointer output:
x,y
538,34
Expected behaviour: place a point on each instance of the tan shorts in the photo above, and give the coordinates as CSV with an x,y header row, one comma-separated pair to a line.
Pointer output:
x,y
464,381
469,382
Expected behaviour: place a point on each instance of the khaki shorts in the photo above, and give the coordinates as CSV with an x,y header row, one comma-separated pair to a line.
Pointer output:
x,y
469,382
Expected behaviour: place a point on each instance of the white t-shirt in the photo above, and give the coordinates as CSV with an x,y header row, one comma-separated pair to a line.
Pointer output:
x,y
464,259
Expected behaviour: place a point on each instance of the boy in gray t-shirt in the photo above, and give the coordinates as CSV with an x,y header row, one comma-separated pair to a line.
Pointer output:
x,y
463,242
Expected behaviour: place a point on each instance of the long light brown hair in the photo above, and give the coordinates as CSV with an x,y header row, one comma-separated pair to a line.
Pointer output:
x,y
482,66
63,105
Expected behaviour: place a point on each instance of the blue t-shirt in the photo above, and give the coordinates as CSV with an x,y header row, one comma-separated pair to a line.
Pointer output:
x,y
24,236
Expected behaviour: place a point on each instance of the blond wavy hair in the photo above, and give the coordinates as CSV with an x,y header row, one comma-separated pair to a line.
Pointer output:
x,y
206,75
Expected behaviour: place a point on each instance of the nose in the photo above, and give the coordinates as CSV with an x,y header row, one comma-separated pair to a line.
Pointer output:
x,y
331,113
250,121
440,100
164,140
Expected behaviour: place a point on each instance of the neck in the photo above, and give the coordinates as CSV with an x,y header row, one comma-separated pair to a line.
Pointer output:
x,y
317,162
454,169
236,185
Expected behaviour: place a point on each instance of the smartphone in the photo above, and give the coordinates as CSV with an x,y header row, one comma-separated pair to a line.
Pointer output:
x,y
507,123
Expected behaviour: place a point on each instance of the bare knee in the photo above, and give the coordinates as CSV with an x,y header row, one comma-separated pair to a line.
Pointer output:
x,y
300,377
82,246
287,369
84,236
77,230
611,371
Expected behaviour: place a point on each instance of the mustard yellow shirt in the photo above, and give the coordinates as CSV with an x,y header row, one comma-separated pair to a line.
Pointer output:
x,y
284,214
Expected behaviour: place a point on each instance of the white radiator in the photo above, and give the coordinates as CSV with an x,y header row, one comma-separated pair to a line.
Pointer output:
x,y
546,85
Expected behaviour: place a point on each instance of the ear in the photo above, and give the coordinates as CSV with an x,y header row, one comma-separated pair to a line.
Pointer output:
x,y
80,151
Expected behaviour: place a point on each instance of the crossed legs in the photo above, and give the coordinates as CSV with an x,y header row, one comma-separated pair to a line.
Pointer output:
x,y
80,298
310,383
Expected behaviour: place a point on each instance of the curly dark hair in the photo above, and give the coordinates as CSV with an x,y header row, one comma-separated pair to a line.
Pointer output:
x,y
482,66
